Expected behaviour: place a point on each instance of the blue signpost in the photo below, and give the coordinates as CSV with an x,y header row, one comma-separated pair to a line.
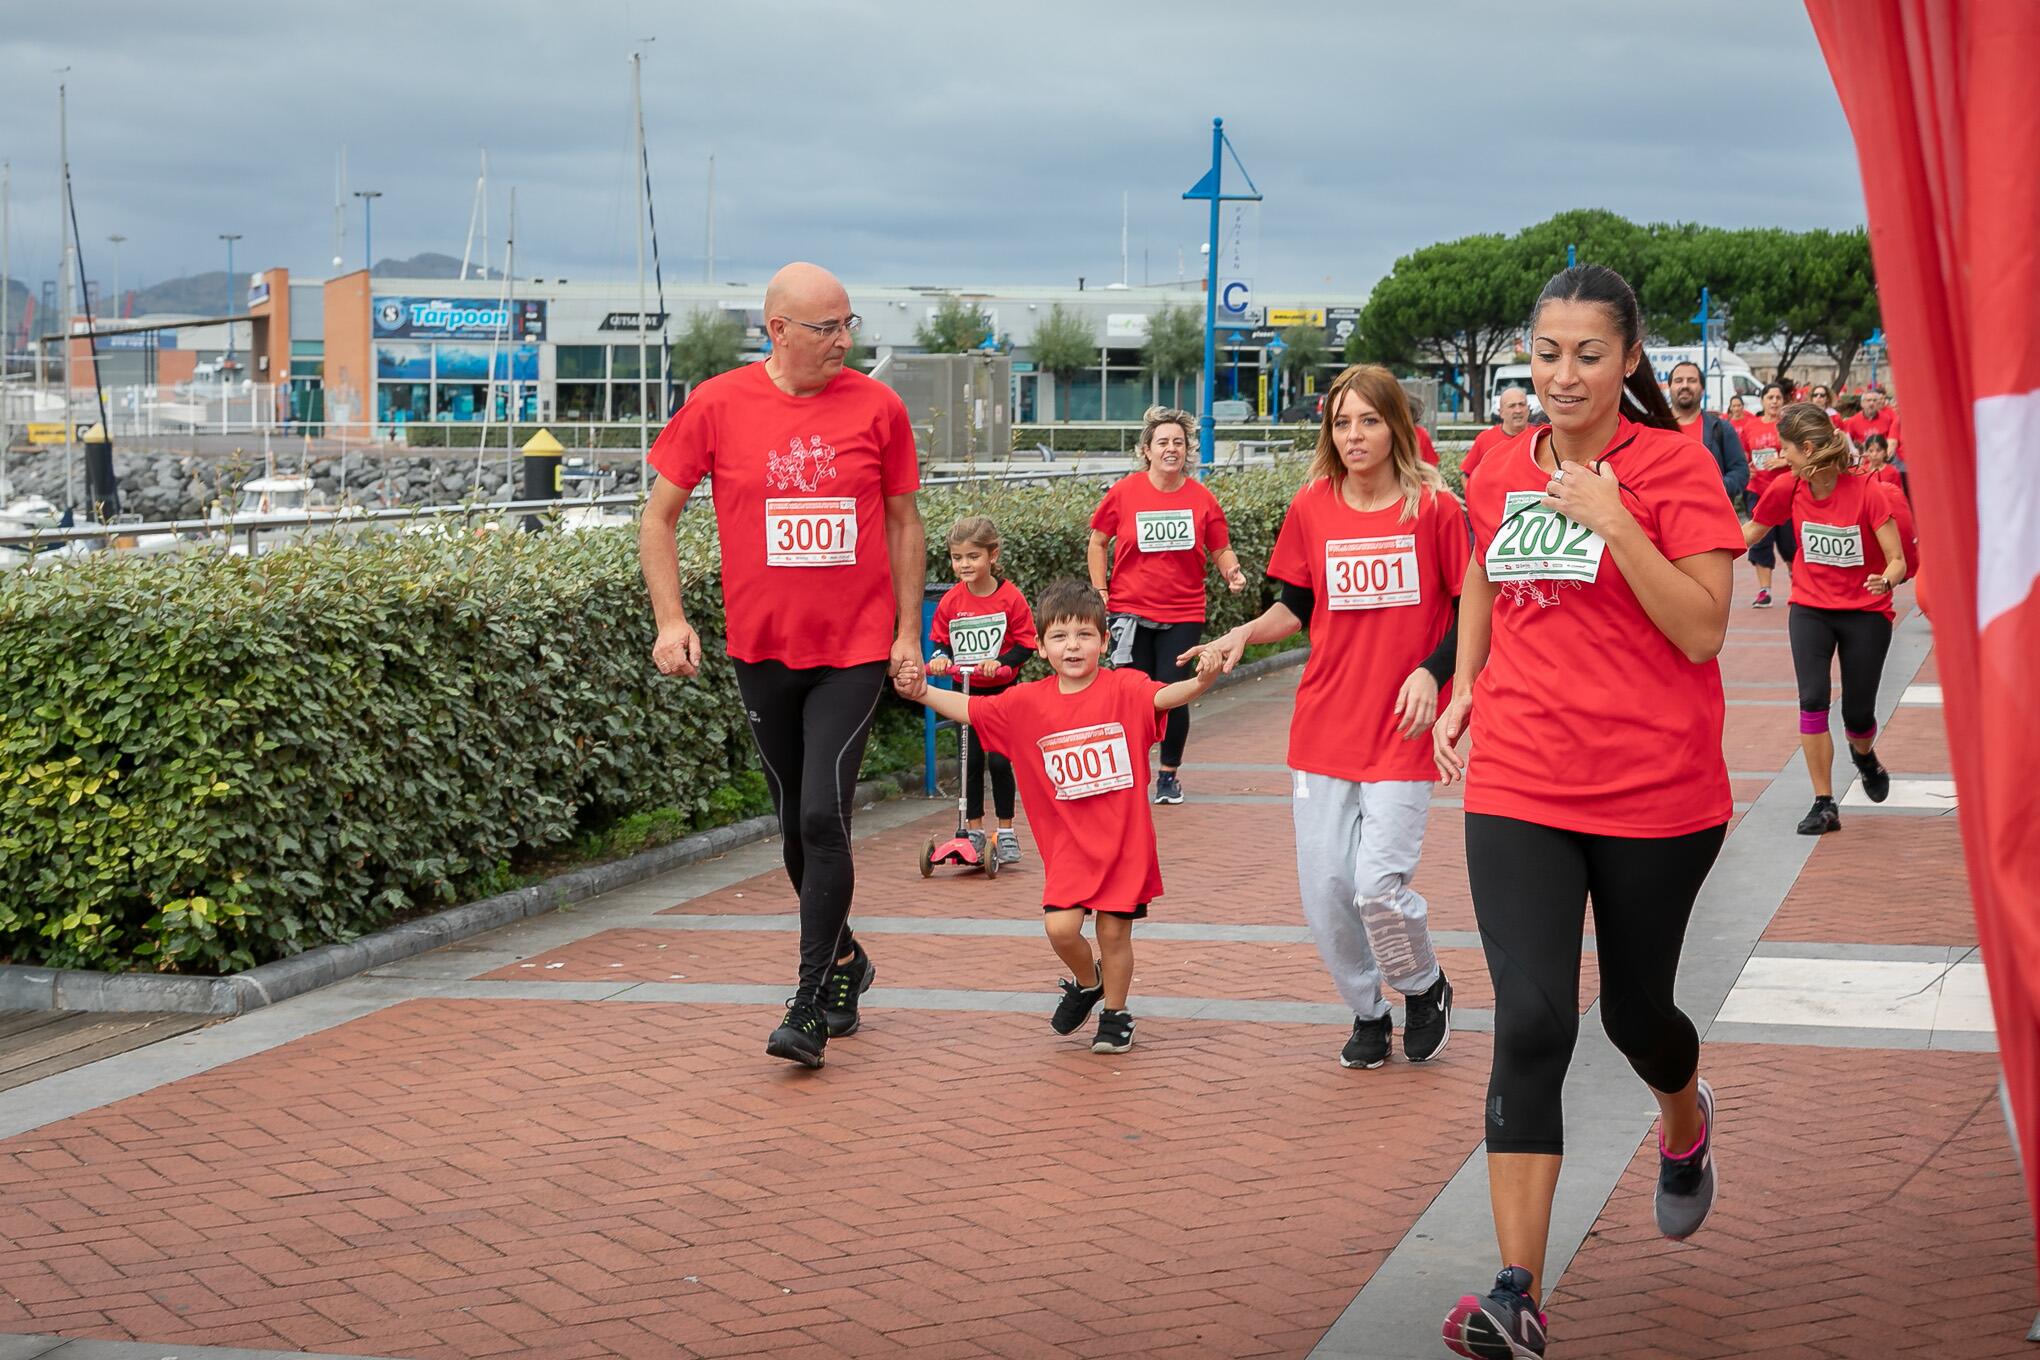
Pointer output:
x,y
1700,319
1236,340
1275,348
1211,187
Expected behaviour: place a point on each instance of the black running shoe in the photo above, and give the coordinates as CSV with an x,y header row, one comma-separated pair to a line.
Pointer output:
x,y
1368,1047
801,1036
1115,1032
1076,1004
1504,1325
1876,779
841,989
1685,1185
1822,818
1168,787
1427,1021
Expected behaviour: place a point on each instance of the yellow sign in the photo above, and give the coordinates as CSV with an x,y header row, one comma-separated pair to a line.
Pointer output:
x,y
1279,317
49,433
1262,406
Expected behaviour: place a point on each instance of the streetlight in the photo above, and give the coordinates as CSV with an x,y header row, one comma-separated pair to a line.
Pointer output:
x,y
229,237
116,238
368,198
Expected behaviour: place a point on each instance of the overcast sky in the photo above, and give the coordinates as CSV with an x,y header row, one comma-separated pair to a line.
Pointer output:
x,y
906,141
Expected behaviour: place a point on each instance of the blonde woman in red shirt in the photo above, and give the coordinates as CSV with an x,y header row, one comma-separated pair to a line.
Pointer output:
x,y
1594,607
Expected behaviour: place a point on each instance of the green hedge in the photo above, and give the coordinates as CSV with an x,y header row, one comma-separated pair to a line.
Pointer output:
x,y
1122,438
209,762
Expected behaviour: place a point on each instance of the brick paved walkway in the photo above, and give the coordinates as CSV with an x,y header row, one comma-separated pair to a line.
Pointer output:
x,y
563,1140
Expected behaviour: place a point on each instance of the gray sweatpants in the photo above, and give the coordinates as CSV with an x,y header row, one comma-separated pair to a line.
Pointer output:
x,y
1356,847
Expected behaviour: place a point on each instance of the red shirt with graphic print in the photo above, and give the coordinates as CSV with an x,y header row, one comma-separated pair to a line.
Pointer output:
x,y
1586,717
1081,761
1160,542
800,486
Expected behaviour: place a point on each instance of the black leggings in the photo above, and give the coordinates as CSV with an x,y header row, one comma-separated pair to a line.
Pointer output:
x,y
1154,653
1862,637
810,726
1783,538
974,778
1530,887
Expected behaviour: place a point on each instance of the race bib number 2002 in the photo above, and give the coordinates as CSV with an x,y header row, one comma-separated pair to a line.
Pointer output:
x,y
1165,530
810,531
1536,543
1832,545
1087,761
977,638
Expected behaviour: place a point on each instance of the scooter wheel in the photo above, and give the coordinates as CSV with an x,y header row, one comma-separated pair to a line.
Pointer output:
x,y
928,859
991,861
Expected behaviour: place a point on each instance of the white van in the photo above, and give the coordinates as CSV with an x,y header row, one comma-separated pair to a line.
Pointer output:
x,y
1727,376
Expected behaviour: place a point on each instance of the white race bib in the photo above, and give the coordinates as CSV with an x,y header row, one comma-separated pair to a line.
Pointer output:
x,y
976,639
810,531
1165,530
1832,545
1087,761
1538,544
1371,573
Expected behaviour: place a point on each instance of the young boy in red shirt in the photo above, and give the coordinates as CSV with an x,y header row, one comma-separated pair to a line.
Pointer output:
x,y
1079,744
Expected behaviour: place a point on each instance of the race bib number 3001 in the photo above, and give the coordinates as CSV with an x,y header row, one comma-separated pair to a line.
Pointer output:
x,y
1087,761
1371,573
1832,545
977,639
1165,530
1535,543
810,531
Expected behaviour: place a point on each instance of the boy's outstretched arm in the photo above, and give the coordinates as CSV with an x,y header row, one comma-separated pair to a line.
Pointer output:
x,y
1209,665
946,702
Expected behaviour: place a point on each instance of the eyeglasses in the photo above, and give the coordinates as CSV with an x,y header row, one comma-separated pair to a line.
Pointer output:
x,y
847,326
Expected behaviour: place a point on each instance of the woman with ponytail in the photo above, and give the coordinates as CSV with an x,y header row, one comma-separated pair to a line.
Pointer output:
x,y
1851,557
1592,612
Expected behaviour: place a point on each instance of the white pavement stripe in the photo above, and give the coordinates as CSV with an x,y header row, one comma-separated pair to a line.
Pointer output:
x,y
1925,795
1921,694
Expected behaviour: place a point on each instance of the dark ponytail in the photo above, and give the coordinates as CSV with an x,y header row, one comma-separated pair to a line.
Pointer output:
x,y
1643,400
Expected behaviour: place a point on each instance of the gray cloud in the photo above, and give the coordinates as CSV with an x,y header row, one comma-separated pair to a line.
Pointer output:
x,y
912,140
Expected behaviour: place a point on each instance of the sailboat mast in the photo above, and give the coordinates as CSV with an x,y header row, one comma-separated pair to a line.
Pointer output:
x,y
64,290
638,173
709,276
6,296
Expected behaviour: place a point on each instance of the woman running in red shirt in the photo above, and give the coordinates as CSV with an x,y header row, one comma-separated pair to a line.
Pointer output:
x,y
1371,556
1851,558
1594,608
1157,527
1760,441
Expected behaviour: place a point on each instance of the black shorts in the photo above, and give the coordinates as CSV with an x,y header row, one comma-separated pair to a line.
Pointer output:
x,y
1139,912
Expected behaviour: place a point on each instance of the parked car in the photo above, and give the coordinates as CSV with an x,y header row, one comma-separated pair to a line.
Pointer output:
x,y
1232,411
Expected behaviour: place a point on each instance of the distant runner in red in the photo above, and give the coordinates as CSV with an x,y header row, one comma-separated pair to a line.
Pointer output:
x,y
1760,441
1370,558
823,555
1079,743
1594,609
1875,418
1157,527
1851,557
1513,405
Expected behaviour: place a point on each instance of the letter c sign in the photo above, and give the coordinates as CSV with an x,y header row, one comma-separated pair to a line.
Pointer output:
x,y
1235,296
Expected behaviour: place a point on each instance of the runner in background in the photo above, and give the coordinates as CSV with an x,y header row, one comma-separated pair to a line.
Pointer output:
x,y
1370,557
1875,418
1736,414
1851,557
1513,405
1821,396
1426,450
1760,441
1716,435
1157,528
814,476
1594,609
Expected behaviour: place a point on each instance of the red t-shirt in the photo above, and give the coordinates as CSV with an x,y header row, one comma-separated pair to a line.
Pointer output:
x,y
1860,427
1586,717
974,628
1382,592
1760,442
1483,444
1081,761
1425,448
1161,541
800,486
1838,548
1888,476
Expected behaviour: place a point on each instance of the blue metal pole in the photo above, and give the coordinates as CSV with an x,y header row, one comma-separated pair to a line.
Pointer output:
x,y
368,234
1703,348
1206,425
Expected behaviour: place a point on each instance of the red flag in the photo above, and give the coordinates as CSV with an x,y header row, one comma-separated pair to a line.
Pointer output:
x,y
1943,97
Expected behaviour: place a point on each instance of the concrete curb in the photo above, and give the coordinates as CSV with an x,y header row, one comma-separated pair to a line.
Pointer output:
x,y
60,989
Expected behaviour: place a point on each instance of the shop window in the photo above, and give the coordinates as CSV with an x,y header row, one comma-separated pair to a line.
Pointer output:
x,y
579,363
581,401
465,362
396,403
457,401
403,361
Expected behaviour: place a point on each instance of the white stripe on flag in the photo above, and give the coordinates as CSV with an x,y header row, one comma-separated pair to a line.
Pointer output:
x,y
2007,503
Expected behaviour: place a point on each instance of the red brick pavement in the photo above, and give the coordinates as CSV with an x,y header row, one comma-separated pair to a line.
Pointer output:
x,y
1882,880
1915,741
465,1179
1870,1206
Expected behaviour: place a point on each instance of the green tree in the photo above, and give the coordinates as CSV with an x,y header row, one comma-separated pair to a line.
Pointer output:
x,y
1063,345
1303,353
712,343
957,327
1458,302
1853,310
1174,348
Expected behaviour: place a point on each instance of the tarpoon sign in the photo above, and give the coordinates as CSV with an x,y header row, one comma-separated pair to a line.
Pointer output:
x,y
413,318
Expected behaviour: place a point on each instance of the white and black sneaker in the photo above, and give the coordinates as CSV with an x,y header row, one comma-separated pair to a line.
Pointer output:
x,y
1168,787
1368,1046
1115,1032
1427,1021
1077,1003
